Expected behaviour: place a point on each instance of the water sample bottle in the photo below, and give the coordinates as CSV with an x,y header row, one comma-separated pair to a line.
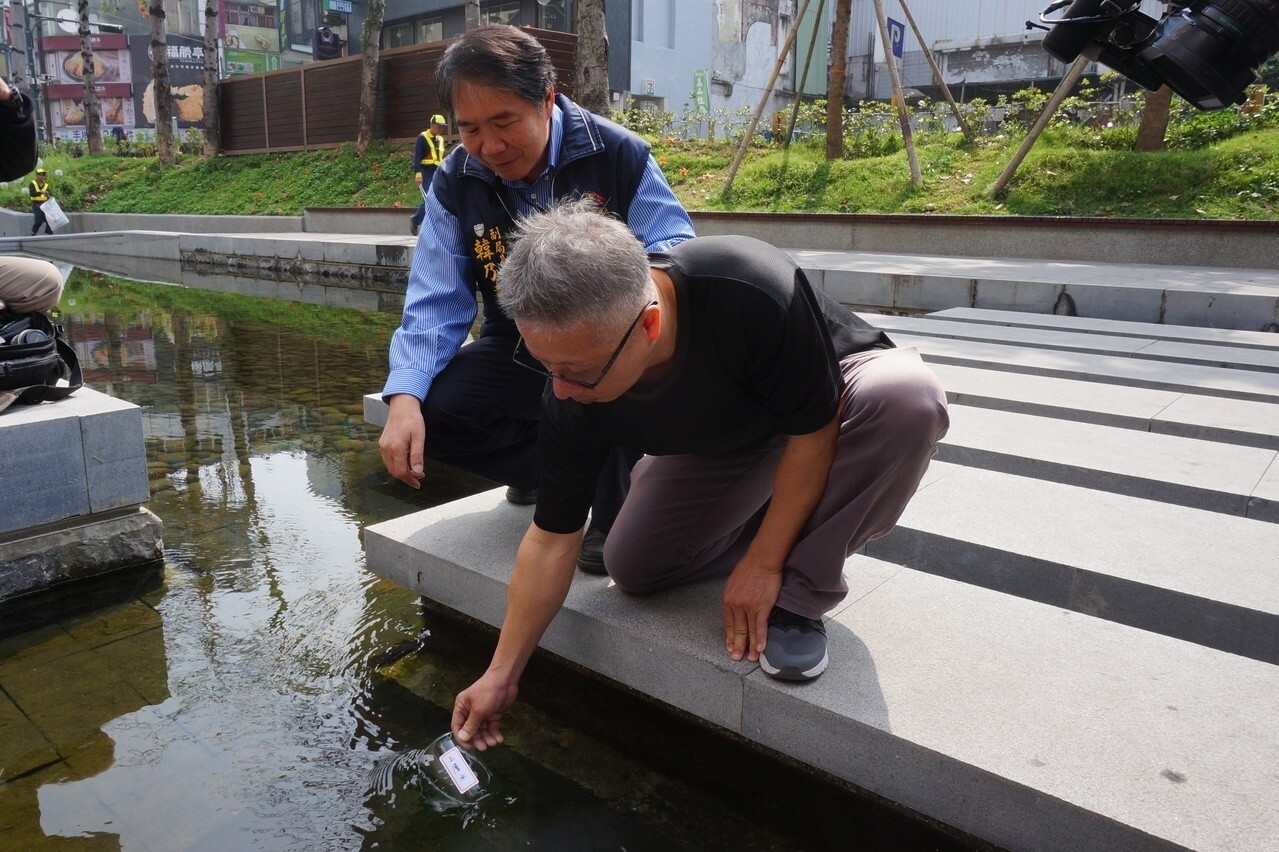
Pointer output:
x,y
446,775
456,772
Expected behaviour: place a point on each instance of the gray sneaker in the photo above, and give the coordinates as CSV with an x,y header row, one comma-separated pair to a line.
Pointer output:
x,y
796,648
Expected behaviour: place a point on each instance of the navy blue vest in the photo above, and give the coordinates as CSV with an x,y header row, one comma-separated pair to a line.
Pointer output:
x,y
597,159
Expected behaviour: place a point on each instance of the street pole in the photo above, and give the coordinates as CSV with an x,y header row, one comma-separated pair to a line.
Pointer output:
x,y
32,72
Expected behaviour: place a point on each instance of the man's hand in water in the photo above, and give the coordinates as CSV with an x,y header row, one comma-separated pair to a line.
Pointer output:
x,y
478,711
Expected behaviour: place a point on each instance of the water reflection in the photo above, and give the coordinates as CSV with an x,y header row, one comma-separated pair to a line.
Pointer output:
x,y
236,706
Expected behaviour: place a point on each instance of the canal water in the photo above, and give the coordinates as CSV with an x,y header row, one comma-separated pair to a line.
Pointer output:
x,y
243,694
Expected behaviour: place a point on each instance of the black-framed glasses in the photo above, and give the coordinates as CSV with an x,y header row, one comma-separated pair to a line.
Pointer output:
x,y
526,360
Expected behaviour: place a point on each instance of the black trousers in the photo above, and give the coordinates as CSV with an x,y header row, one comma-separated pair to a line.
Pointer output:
x,y
38,215
481,417
419,215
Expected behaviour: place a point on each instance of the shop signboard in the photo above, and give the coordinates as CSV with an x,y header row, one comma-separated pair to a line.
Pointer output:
x,y
186,80
259,39
112,78
237,63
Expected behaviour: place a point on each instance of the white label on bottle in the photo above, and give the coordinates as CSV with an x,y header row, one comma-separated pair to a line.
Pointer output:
x,y
459,770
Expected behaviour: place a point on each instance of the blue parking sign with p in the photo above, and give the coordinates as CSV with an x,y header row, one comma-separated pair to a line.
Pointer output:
x,y
896,36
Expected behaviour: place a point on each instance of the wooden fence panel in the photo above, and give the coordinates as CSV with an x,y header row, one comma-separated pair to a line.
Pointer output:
x,y
317,105
284,116
243,121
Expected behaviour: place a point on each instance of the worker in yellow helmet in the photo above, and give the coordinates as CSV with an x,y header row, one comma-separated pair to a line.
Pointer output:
x,y
39,192
427,157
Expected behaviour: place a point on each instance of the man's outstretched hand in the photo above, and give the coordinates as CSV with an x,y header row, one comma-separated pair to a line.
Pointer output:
x,y
403,440
749,595
478,710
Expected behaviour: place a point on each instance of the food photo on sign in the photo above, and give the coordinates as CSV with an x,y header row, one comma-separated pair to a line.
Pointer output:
x,y
186,81
112,81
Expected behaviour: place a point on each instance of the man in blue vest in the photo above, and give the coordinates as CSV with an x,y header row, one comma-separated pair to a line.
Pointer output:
x,y
428,155
523,147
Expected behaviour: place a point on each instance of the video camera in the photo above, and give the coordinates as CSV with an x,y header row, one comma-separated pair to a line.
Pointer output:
x,y
1207,51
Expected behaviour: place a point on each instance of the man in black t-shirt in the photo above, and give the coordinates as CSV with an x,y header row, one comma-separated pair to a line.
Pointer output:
x,y
782,433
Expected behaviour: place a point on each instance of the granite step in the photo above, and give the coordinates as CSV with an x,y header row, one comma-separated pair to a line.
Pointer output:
x,y
1027,725
1120,328
1151,347
1218,477
1198,296
1200,576
1085,366
1169,412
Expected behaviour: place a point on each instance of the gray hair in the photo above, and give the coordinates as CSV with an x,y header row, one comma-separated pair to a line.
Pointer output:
x,y
575,265
498,57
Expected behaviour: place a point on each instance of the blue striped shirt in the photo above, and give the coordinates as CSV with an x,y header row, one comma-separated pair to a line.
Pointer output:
x,y
440,304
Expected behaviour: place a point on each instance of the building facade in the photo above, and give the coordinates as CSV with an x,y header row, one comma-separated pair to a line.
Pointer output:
x,y
690,56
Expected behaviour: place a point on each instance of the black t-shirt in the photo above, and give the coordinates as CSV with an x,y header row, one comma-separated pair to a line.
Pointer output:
x,y
756,356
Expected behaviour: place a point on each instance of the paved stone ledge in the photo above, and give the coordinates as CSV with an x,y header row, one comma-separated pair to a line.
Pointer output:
x,y
1176,333
1028,725
1227,356
80,548
1169,412
1200,576
1171,469
76,456
1205,296
1211,297
1159,375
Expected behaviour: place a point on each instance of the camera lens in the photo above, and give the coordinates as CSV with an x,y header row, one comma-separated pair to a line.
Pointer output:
x,y
1066,41
1209,53
31,335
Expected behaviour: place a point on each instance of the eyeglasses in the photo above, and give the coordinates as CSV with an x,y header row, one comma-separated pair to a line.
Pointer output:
x,y
526,360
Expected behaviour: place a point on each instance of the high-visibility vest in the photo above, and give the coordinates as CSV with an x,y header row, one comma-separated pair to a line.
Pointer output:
x,y
39,192
434,149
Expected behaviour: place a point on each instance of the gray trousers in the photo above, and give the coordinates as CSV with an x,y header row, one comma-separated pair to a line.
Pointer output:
x,y
689,517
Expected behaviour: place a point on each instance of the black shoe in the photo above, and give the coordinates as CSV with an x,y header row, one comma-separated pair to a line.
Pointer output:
x,y
521,496
796,647
591,559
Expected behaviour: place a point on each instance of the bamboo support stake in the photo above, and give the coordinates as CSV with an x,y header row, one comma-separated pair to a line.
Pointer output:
x,y
763,101
898,98
941,81
1063,88
803,78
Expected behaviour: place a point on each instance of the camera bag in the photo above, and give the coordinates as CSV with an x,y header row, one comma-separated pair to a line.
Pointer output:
x,y
29,371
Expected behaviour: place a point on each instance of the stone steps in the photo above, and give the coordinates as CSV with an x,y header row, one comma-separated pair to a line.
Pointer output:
x,y
1218,477
1130,372
1191,415
1205,577
1029,725
1210,297
1071,639
1120,328
1209,355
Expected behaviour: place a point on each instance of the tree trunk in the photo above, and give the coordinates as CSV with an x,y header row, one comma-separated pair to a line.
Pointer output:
x,y
1154,120
591,88
160,85
369,39
472,14
92,115
212,114
838,71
